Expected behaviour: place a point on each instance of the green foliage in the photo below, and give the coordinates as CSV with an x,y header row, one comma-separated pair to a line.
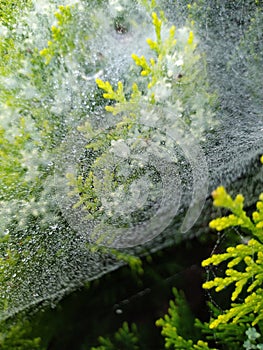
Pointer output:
x,y
12,181
18,336
125,338
226,336
239,216
134,262
245,261
10,59
178,324
149,5
62,35
9,11
241,325
181,331
234,327
174,76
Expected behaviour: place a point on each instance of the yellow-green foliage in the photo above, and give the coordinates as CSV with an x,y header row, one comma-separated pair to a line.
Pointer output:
x,y
10,57
155,67
177,326
18,337
9,10
125,338
245,261
122,104
12,60
149,5
175,63
62,38
170,76
12,171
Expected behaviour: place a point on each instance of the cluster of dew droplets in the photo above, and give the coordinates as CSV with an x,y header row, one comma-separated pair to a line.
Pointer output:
x,y
50,258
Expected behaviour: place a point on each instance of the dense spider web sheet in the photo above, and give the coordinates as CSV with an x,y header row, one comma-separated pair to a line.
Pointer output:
x,y
59,257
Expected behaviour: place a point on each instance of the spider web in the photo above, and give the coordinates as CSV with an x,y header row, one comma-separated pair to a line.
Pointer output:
x,y
53,256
